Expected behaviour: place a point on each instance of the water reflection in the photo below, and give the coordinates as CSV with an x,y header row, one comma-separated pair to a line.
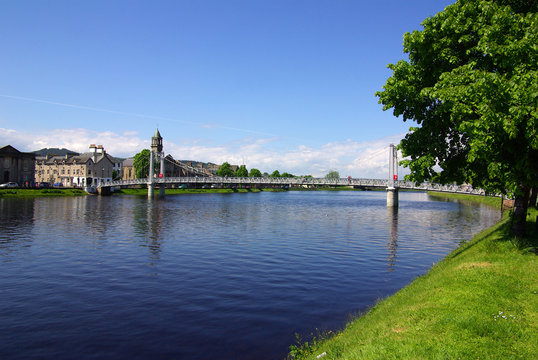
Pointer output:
x,y
392,244
16,219
148,222
67,213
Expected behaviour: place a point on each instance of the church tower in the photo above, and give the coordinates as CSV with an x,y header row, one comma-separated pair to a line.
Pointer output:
x,y
157,142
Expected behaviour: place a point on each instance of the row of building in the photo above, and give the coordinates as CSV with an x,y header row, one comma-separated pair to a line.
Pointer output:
x,y
28,169
93,168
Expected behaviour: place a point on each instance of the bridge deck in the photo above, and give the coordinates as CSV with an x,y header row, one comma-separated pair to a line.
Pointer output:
x,y
299,181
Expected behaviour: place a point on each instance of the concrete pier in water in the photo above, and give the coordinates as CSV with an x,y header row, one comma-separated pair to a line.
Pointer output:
x,y
392,197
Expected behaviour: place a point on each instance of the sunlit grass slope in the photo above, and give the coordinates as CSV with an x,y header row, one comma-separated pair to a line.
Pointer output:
x,y
480,302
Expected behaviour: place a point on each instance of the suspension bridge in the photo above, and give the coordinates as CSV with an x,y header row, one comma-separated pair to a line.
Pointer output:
x,y
297,182
197,178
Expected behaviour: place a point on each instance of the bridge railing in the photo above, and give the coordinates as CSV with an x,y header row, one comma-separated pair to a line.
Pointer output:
x,y
302,181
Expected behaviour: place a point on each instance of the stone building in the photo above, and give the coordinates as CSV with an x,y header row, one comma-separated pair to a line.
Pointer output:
x,y
88,169
16,166
128,170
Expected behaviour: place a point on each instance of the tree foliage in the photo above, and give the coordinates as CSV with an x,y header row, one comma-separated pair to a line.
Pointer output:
x,y
141,164
471,86
286,175
275,173
333,175
255,173
241,171
225,170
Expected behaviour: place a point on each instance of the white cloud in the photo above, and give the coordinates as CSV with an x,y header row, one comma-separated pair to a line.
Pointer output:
x,y
350,158
78,140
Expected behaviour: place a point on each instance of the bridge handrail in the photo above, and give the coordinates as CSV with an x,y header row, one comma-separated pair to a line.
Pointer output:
x,y
302,181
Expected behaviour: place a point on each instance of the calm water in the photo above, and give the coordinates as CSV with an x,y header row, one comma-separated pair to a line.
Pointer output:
x,y
208,276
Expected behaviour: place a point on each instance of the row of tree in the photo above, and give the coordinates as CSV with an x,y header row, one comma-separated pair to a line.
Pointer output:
x,y
227,170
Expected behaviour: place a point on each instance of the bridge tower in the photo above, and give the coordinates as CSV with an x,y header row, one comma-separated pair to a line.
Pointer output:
x,y
156,150
392,188
151,187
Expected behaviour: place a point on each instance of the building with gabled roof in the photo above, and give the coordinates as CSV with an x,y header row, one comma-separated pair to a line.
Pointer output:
x,y
128,170
89,169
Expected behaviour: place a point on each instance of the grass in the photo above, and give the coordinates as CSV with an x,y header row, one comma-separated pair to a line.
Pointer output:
x,y
40,192
486,200
326,188
185,191
480,302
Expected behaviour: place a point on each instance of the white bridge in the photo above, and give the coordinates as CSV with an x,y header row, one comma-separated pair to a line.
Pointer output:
x,y
297,182
392,184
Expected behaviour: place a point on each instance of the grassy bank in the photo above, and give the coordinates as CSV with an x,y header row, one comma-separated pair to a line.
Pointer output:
x,y
486,200
326,188
480,302
40,192
185,191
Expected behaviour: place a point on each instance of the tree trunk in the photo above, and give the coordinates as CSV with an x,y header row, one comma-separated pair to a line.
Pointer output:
x,y
533,198
520,211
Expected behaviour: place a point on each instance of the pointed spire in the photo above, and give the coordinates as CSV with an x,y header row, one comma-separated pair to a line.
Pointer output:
x,y
157,142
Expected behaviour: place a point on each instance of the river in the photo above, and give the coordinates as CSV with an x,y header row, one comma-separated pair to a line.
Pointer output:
x,y
208,276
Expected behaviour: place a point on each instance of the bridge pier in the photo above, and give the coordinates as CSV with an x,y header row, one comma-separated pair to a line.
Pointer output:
x,y
392,197
103,191
392,189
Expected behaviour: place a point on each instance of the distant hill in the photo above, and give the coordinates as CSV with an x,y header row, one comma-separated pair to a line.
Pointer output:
x,y
55,152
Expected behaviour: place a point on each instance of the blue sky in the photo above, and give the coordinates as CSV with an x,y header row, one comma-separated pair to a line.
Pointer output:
x,y
274,84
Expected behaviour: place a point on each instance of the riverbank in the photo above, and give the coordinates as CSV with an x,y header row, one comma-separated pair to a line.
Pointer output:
x,y
480,302
13,193
5,193
228,191
186,191
486,200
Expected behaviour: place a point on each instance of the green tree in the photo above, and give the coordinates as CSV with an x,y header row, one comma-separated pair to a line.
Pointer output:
x,y
241,171
470,85
141,164
255,173
275,173
333,175
225,170
286,175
